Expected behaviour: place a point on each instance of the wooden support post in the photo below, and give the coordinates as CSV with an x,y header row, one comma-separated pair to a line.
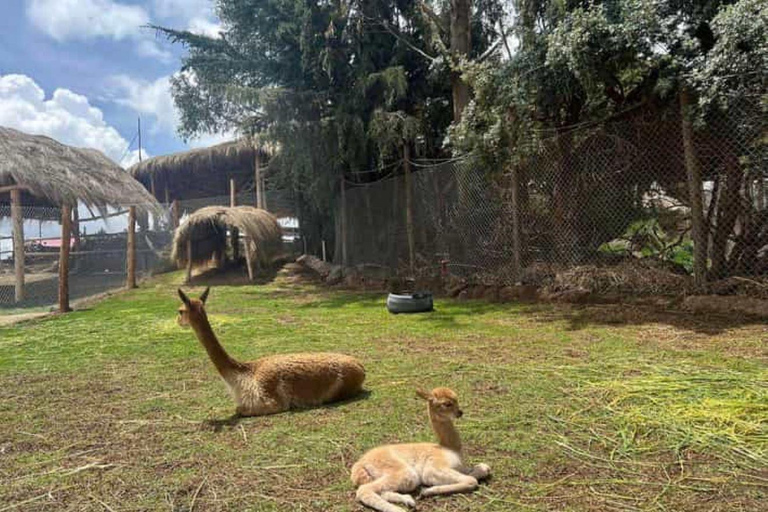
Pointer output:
x,y
264,194
189,261
409,208
249,259
257,180
693,172
130,254
66,232
18,242
344,260
517,248
76,228
175,213
234,231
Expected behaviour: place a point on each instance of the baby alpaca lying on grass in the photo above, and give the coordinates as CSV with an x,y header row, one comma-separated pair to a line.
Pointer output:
x,y
385,473
275,383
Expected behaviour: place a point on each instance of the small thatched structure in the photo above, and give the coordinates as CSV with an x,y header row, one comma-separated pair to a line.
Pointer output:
x,y
40,172
203,172
203,236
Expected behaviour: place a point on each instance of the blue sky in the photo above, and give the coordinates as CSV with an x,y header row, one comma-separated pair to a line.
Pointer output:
x,y
82,71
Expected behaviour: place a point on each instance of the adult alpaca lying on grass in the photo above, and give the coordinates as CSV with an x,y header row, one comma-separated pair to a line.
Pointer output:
x,y
276,383
384,473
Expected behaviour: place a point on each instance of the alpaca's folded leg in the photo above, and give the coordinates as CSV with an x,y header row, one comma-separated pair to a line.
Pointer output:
x,y
447,481
396,497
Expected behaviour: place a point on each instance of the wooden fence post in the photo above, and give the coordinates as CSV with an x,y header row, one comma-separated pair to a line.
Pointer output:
x,y
409,208
66,236
130,256
517,248
344,260
693,172
18,242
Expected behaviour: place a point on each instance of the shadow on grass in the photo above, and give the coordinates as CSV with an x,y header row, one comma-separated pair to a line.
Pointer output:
x,y
217,425
234,276
579,317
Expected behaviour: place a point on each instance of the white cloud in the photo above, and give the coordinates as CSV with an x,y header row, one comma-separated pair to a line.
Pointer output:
x,y
84,19
153,99
205,27
182,9
150,48
148,98
67,116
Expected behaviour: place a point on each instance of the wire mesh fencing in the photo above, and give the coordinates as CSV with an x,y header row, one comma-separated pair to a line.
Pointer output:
x,y
594,196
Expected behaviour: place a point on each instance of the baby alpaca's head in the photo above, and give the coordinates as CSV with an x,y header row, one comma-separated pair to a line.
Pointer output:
x,y
191,309
443,403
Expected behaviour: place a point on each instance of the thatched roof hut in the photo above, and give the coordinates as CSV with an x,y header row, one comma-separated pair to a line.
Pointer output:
x,y
203,236
38,171
49,173
203,172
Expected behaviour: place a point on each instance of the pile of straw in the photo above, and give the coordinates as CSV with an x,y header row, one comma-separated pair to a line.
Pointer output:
x,y
207,230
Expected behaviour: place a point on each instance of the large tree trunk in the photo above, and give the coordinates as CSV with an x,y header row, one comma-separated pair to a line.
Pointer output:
x,y
461,44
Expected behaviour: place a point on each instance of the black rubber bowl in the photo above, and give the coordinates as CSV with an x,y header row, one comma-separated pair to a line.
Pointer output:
x,y
419,302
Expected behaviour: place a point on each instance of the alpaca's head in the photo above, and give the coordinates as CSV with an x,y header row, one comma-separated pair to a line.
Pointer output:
x,y
192,310
443,403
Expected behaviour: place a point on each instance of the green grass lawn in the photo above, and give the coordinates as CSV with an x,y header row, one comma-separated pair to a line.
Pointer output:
x,y
588,408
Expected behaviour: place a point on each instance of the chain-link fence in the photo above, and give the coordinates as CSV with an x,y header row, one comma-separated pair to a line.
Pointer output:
x,y
98,248
591,196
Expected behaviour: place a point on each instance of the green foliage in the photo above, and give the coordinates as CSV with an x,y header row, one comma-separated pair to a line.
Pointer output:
x,y
647,239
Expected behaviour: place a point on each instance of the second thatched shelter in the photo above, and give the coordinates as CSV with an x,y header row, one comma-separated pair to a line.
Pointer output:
x,y
203,236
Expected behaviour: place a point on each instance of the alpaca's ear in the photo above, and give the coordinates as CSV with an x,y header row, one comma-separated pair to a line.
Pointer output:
x,y
204,296
183,297
424,394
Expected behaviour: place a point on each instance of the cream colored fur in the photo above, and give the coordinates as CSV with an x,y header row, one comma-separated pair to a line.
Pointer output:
x,y
275,383
385,474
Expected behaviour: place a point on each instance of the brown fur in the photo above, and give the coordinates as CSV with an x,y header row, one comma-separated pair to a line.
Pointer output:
x,y
276,383
383,474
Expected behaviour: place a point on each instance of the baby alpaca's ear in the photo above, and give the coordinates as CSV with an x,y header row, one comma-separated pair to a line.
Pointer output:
x,y
183,297
204,296
426,395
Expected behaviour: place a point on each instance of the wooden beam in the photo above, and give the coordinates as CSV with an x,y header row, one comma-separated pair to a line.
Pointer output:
x,y
130,254
18,242
66,236
232,193
11,188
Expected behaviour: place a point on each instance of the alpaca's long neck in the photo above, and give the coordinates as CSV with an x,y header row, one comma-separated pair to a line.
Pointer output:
x,y
447,435
221,360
